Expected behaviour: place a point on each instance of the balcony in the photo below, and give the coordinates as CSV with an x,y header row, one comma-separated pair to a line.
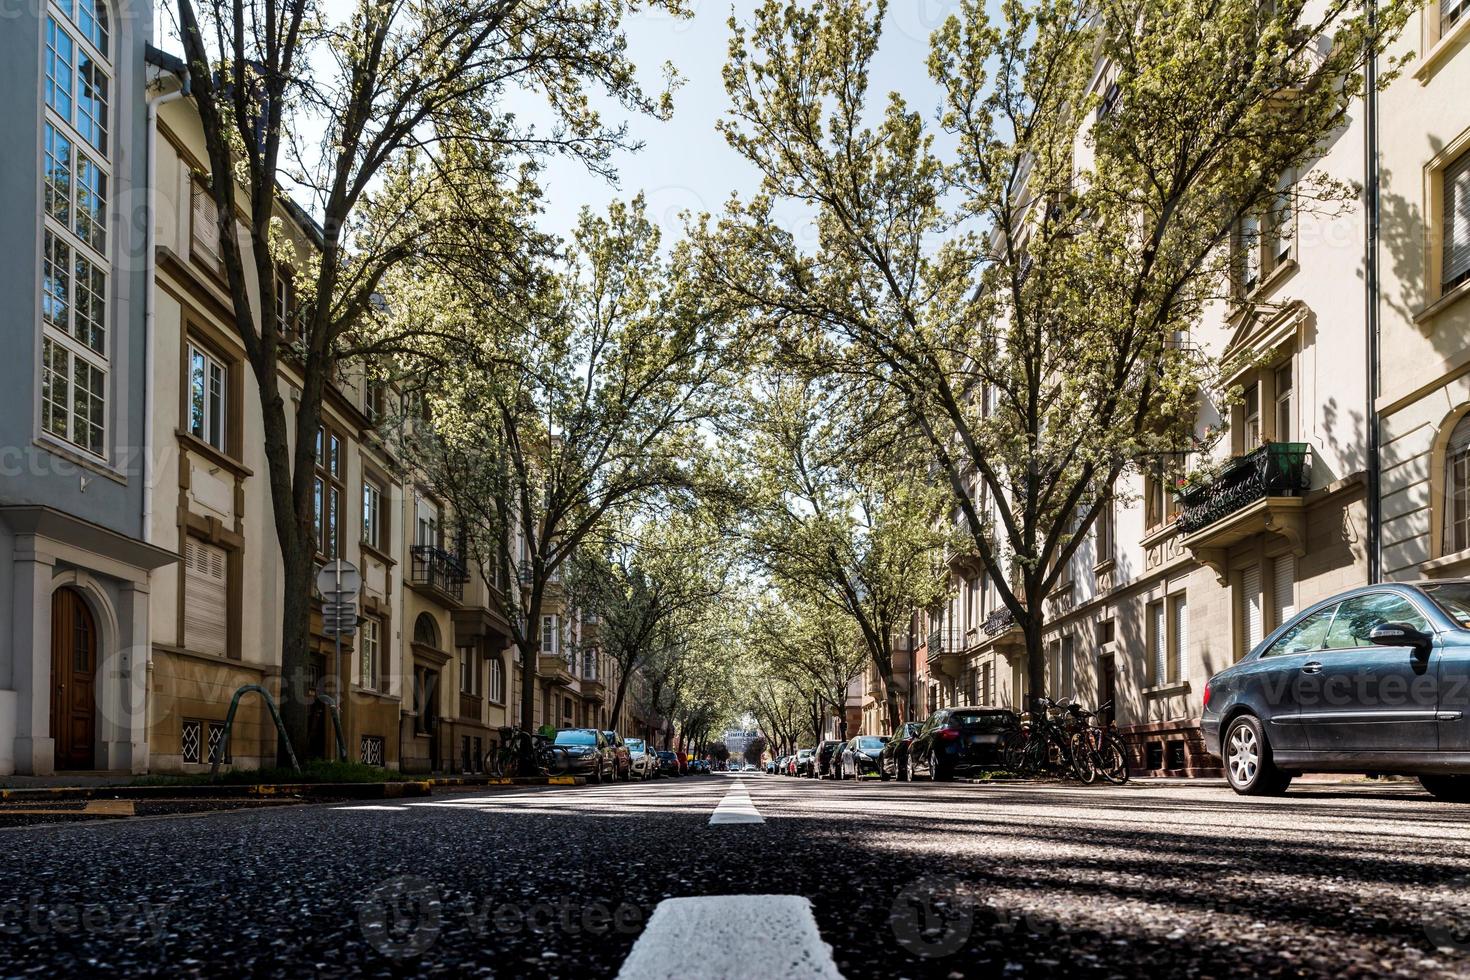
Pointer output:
x,y
556,668
946,651
439,572
1261,492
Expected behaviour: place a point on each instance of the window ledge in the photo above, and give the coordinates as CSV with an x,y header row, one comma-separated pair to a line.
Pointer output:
x,y
1442,49
1106,565
1166,690
198,445
80,457
380,555
1159,533
1425,316
1457,561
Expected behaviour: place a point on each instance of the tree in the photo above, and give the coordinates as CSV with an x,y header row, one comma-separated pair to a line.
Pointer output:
x,y
637,579
839,520
805,654
1027,297
345,110
554,410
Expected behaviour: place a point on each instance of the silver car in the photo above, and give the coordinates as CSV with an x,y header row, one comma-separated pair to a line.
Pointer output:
x,y
645,764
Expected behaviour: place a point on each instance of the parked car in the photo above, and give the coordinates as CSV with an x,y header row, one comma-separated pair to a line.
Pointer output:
x,y
588,753
668,764
644,762
957,739
823,763
859,757
772,765
622,758
893,761
801,762
1370,680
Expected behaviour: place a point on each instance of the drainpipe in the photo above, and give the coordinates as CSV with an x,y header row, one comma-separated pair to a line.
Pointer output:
x,y
1371,287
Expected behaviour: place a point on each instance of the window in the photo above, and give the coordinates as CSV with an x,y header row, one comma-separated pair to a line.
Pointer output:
x,y
288,312
548,634
204,224
987,683
497,680
1252,623
470,681
1455,257
1457,488
1305,635
1158,641
1250,414
1281,223
207,397
425,632
370,638
426,523
1356,618
589,664
1248,242
1161,505
372,511
1283,590
1064,676
76,267
327,493
206,598
1451,13
1176,669
1102,529
1285,417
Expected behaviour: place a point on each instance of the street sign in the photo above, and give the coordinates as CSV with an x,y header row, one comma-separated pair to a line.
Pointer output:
x,y
339,618
337,579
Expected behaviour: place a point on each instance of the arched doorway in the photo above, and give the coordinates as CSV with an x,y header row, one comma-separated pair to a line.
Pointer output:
x,y
73,680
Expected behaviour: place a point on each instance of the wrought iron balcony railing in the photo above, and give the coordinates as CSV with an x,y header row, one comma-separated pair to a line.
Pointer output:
x,y
998,622
438,569
1277,469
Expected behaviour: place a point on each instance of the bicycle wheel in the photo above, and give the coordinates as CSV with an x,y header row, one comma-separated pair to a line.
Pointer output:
x,y
1033,758
1083,758
1113,759
493,766
555,761
1013,751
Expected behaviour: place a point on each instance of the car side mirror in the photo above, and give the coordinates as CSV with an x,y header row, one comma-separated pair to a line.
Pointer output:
x,y
1400,635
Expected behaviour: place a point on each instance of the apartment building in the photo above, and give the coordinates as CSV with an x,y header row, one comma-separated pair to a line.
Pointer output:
x,y
76,548
1180,579
1423,395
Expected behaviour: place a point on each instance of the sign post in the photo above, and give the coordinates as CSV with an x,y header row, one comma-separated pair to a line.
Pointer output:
x,y
339,582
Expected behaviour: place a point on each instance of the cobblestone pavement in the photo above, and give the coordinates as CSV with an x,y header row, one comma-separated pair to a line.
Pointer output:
x,y
903,879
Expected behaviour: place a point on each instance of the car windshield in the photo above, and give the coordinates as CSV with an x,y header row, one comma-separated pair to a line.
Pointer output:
x,y
635,744
576,736
871,742
987,720
1453,598
804,754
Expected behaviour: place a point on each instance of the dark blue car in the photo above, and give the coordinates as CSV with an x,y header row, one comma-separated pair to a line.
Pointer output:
x,y
1376,680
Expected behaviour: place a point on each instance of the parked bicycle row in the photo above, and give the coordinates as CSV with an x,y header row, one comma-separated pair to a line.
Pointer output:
x,y
600,756
1059,738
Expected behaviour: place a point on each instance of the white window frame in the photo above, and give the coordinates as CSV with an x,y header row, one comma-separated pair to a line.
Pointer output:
x,y
372,514
370,664
65,355
214,418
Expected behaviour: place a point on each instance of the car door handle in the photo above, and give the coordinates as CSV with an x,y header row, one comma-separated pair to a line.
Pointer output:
x,y
1312,667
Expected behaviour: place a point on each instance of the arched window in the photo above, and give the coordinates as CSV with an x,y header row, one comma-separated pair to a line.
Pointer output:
x,y
425,632
1457,488
76,265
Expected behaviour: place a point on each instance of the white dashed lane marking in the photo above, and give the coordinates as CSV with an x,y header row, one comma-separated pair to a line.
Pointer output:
x,y
736,807
715,937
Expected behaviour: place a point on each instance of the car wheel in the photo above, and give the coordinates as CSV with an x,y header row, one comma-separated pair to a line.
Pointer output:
x,y
1450,789
902,765
1248,765
936,771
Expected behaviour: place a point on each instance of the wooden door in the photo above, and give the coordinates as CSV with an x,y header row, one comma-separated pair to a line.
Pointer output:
x,y
73,680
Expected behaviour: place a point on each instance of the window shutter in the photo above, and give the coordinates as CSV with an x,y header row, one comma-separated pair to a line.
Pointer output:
x,y
1250,605
206,598
206,225
1160,638
1181,640
1457,220
1283,590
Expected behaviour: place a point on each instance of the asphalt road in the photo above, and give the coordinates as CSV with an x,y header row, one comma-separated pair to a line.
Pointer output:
x,y
906,880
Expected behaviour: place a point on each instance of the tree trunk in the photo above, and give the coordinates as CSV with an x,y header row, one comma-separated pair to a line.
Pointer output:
x,y
623,678
1035,657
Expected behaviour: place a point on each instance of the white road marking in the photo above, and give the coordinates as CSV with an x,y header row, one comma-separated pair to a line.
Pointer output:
x,y
714,937
370,806
736,807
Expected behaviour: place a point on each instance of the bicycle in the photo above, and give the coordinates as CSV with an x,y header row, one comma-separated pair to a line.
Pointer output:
x,y
504,758
1028,749
1097,750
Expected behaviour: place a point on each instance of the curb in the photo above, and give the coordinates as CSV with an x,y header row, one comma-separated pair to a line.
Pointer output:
x,y
438,781
336,791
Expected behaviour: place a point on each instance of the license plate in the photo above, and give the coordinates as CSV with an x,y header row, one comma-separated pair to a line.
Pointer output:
x,y
984,739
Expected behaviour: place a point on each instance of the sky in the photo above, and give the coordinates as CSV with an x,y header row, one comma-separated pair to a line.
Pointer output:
x,y
685,163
